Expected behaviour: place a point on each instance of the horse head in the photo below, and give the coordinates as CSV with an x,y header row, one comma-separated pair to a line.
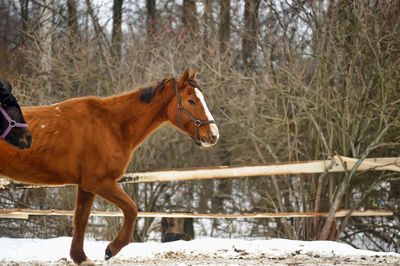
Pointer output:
x,y
13,128
189,112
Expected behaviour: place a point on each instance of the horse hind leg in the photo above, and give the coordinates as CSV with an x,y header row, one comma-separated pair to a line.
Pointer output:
x,y
112,192
84,202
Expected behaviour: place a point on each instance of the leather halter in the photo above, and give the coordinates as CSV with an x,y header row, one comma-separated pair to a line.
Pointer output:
x,y
11,123
197,123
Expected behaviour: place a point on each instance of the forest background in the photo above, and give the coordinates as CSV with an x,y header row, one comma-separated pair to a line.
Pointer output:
x,y
289,80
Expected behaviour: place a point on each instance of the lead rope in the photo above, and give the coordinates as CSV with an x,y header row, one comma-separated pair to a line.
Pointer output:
x,y
197,123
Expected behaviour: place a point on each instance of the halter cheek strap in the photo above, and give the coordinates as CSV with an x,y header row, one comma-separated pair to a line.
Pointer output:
x,y
11,123
197,123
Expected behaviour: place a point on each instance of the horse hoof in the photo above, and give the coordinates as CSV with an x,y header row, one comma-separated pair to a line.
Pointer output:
x,y
109,254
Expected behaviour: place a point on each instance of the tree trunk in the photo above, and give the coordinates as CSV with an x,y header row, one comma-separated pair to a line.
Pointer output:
x,y
151,16
72,22
45,44
190,16
249,43
173,229
209,28
223,193
224,32
116,38
24,18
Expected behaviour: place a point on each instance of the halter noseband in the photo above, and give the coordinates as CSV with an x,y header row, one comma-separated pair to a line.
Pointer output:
x,y
11,123
197,123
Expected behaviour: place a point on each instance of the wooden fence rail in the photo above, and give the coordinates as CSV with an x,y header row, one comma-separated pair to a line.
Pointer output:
x,y
309,167
335,164
24,214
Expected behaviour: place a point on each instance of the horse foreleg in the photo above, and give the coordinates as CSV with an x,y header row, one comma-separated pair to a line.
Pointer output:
x,y
84,202
112,192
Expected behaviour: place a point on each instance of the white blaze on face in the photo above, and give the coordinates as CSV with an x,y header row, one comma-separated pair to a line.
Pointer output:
x,y
213,126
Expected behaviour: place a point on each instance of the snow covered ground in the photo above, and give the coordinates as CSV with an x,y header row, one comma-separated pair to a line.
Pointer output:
x,y
209,251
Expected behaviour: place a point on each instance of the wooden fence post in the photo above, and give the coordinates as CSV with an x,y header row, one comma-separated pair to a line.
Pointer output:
x,y
173,229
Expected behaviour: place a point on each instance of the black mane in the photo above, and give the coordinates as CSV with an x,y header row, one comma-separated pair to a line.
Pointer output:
x,y
147,93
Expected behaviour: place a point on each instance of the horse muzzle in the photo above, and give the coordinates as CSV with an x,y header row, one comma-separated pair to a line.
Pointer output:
x,y
25,142
211,139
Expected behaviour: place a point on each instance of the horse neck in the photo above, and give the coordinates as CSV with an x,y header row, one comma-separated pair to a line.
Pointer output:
x,y
138,119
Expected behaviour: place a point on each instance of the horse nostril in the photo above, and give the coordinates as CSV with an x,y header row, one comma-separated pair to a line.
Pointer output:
x,y
213,137
29,139
25,143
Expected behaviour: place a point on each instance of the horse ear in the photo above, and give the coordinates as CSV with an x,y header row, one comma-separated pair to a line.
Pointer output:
x,y
5,90
194,74
183,81
5,85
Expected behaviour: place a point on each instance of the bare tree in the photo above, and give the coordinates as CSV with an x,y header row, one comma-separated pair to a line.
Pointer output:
x,y
46,42
224,31
24,18
250,38
209,23
189,16
326,83
72,22
116,38
151,15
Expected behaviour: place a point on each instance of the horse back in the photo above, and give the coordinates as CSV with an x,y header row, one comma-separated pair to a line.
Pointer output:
x,y
73,140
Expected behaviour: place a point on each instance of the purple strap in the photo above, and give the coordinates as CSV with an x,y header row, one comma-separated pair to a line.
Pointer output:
x,y
11,123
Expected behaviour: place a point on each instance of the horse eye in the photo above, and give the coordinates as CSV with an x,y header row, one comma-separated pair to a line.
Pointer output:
x,y
191,102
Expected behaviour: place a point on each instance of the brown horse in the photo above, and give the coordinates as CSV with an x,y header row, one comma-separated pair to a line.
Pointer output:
x,y
13,128
89,142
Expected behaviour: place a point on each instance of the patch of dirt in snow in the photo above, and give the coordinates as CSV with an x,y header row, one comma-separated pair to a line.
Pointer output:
x,y
220,257
244,258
